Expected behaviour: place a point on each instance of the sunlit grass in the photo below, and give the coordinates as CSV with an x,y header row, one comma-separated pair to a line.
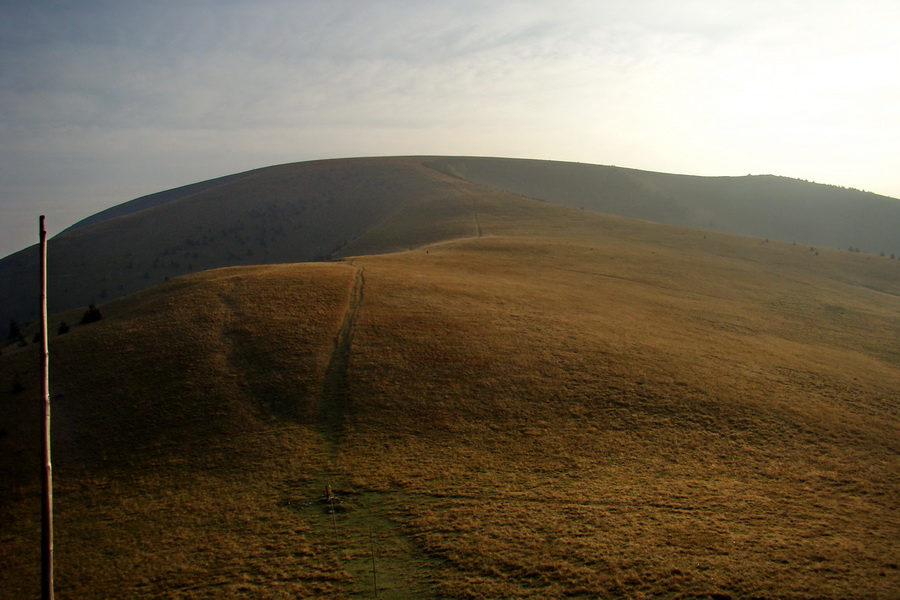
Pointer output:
x,y
569,406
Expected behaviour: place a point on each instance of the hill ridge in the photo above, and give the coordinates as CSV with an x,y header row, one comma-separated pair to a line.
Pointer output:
x,y
318,210
756,205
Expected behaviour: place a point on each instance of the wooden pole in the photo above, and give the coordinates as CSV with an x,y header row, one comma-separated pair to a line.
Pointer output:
x,y
47,475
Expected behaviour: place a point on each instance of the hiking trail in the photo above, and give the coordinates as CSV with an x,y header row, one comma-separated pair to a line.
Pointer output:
x,y
358,523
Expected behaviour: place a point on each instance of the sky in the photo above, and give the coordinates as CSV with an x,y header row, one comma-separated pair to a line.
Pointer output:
x,y
105,101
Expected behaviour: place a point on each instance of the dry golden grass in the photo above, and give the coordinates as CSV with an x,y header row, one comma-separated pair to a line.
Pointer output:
x,y
167,432
650,431
569,405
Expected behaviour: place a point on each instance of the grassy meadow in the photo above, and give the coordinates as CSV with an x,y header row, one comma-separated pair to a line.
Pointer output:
x,y
555,404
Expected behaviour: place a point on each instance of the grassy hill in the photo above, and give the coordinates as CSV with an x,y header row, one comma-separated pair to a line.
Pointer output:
x,y
289,213
536,402
762,206
317,210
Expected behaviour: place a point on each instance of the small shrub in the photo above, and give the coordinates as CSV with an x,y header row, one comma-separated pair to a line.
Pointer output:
x,y
14,330
91,316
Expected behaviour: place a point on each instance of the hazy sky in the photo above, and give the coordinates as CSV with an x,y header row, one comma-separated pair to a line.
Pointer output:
x,y
104,101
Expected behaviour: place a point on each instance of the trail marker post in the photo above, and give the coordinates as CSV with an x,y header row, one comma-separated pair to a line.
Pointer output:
x,y
47,471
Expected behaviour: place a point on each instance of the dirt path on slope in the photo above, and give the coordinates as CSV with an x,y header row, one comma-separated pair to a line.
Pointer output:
x,y
477,221
363,528
335,399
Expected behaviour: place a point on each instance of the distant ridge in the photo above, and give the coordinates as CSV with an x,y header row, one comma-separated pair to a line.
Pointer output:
x,y
156,199
318,210
765,206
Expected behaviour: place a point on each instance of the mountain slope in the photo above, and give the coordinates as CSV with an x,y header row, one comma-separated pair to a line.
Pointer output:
x,y
157,199
760,206
289,213
559,404
315,210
